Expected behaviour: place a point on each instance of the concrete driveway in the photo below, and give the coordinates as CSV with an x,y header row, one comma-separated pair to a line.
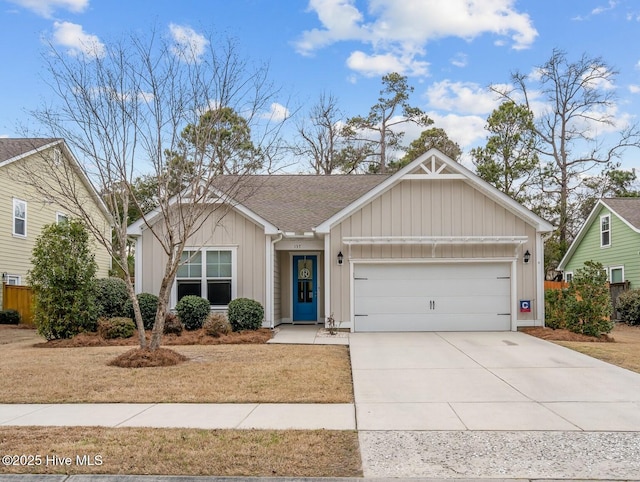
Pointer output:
x,y
486,381
491,405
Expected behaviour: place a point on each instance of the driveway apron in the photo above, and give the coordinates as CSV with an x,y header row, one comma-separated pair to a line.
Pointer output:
x,y
456,389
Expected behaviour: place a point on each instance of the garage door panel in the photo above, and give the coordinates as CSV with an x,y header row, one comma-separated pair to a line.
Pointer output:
x,y
442,287
432,297
492,304
383,323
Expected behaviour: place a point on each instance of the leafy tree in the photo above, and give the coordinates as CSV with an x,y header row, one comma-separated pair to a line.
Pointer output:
x,y
509,160
62,279
434,137
391,110
612,182
224,137
579,105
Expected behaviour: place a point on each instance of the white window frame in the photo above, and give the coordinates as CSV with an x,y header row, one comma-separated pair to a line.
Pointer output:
x,y
611,268
608,231
568,276
203,276
60,215
13,279
17,201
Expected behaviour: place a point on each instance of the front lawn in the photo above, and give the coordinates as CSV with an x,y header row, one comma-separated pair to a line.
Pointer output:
x,y
253,373
621,347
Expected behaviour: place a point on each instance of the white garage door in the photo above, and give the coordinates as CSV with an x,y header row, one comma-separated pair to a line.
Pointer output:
x,y
432,297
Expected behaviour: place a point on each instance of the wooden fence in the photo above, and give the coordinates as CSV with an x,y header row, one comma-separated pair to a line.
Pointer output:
x,y
19,298
555,285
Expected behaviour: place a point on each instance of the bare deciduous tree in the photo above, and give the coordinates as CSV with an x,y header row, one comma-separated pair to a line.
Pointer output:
x,y
579,107
123,110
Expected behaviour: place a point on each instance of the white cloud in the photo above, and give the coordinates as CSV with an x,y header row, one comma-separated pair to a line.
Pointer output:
x,y
189,44
378,65
459,60
76,40
277,112
45,8
461,97
402,29
634,88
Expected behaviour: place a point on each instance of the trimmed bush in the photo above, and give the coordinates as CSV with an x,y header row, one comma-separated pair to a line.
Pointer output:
x,y
148,307
629,307
216,325
192,311
9,317
118,327
588,302
111,297
554,308
172,325
245,314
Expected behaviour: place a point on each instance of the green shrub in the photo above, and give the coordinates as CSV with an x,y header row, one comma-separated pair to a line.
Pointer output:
x,y
172,325
62,279
192,311
9,317
148,307
111,297
554,308
118,327
216,325
629,307
245,314
588,303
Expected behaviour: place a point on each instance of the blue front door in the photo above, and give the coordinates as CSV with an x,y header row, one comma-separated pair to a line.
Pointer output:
x,y
305,288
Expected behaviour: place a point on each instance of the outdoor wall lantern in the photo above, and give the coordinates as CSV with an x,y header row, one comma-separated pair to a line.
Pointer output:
x,y
526,257
340,258
4,276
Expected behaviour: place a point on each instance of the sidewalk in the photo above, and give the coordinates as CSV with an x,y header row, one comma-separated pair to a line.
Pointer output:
x,y
267,416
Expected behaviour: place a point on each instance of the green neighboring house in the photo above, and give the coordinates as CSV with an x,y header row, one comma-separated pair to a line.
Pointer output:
x,y
610,235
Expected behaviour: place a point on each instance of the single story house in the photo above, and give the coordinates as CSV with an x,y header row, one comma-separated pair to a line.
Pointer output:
x,y
430,248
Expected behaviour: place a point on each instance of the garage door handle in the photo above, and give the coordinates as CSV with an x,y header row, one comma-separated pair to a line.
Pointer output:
x,y
360,315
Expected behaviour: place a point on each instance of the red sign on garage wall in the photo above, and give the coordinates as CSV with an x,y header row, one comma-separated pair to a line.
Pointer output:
x,y
525,306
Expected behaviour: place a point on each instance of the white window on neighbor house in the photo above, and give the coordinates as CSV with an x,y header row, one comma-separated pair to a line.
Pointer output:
x,y
209,273
616,274
605,231
568,276
61,218
19,217
12,279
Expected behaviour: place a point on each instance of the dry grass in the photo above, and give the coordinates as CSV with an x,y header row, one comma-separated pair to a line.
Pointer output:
x,y
186,451
623,352
248,373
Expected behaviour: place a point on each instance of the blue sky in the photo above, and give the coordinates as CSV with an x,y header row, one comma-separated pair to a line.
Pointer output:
x,y
451,50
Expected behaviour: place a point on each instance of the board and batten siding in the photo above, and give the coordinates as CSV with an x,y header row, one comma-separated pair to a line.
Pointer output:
x,y
223,228
15,251
430,208
623,251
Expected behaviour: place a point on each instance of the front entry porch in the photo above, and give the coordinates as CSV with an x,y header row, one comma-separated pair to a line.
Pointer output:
x,y
308,334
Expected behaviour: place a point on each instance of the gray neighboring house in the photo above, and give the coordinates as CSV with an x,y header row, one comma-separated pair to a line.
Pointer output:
x,y
430,248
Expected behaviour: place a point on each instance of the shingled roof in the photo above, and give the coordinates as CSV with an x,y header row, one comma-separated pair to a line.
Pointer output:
x,y
13,147
298,203
626,207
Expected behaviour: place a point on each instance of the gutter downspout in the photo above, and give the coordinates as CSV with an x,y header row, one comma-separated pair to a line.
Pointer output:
x,y
271,275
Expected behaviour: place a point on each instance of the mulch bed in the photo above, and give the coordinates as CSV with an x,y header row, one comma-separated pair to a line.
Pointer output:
x,y
196,337
564,335
144,358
